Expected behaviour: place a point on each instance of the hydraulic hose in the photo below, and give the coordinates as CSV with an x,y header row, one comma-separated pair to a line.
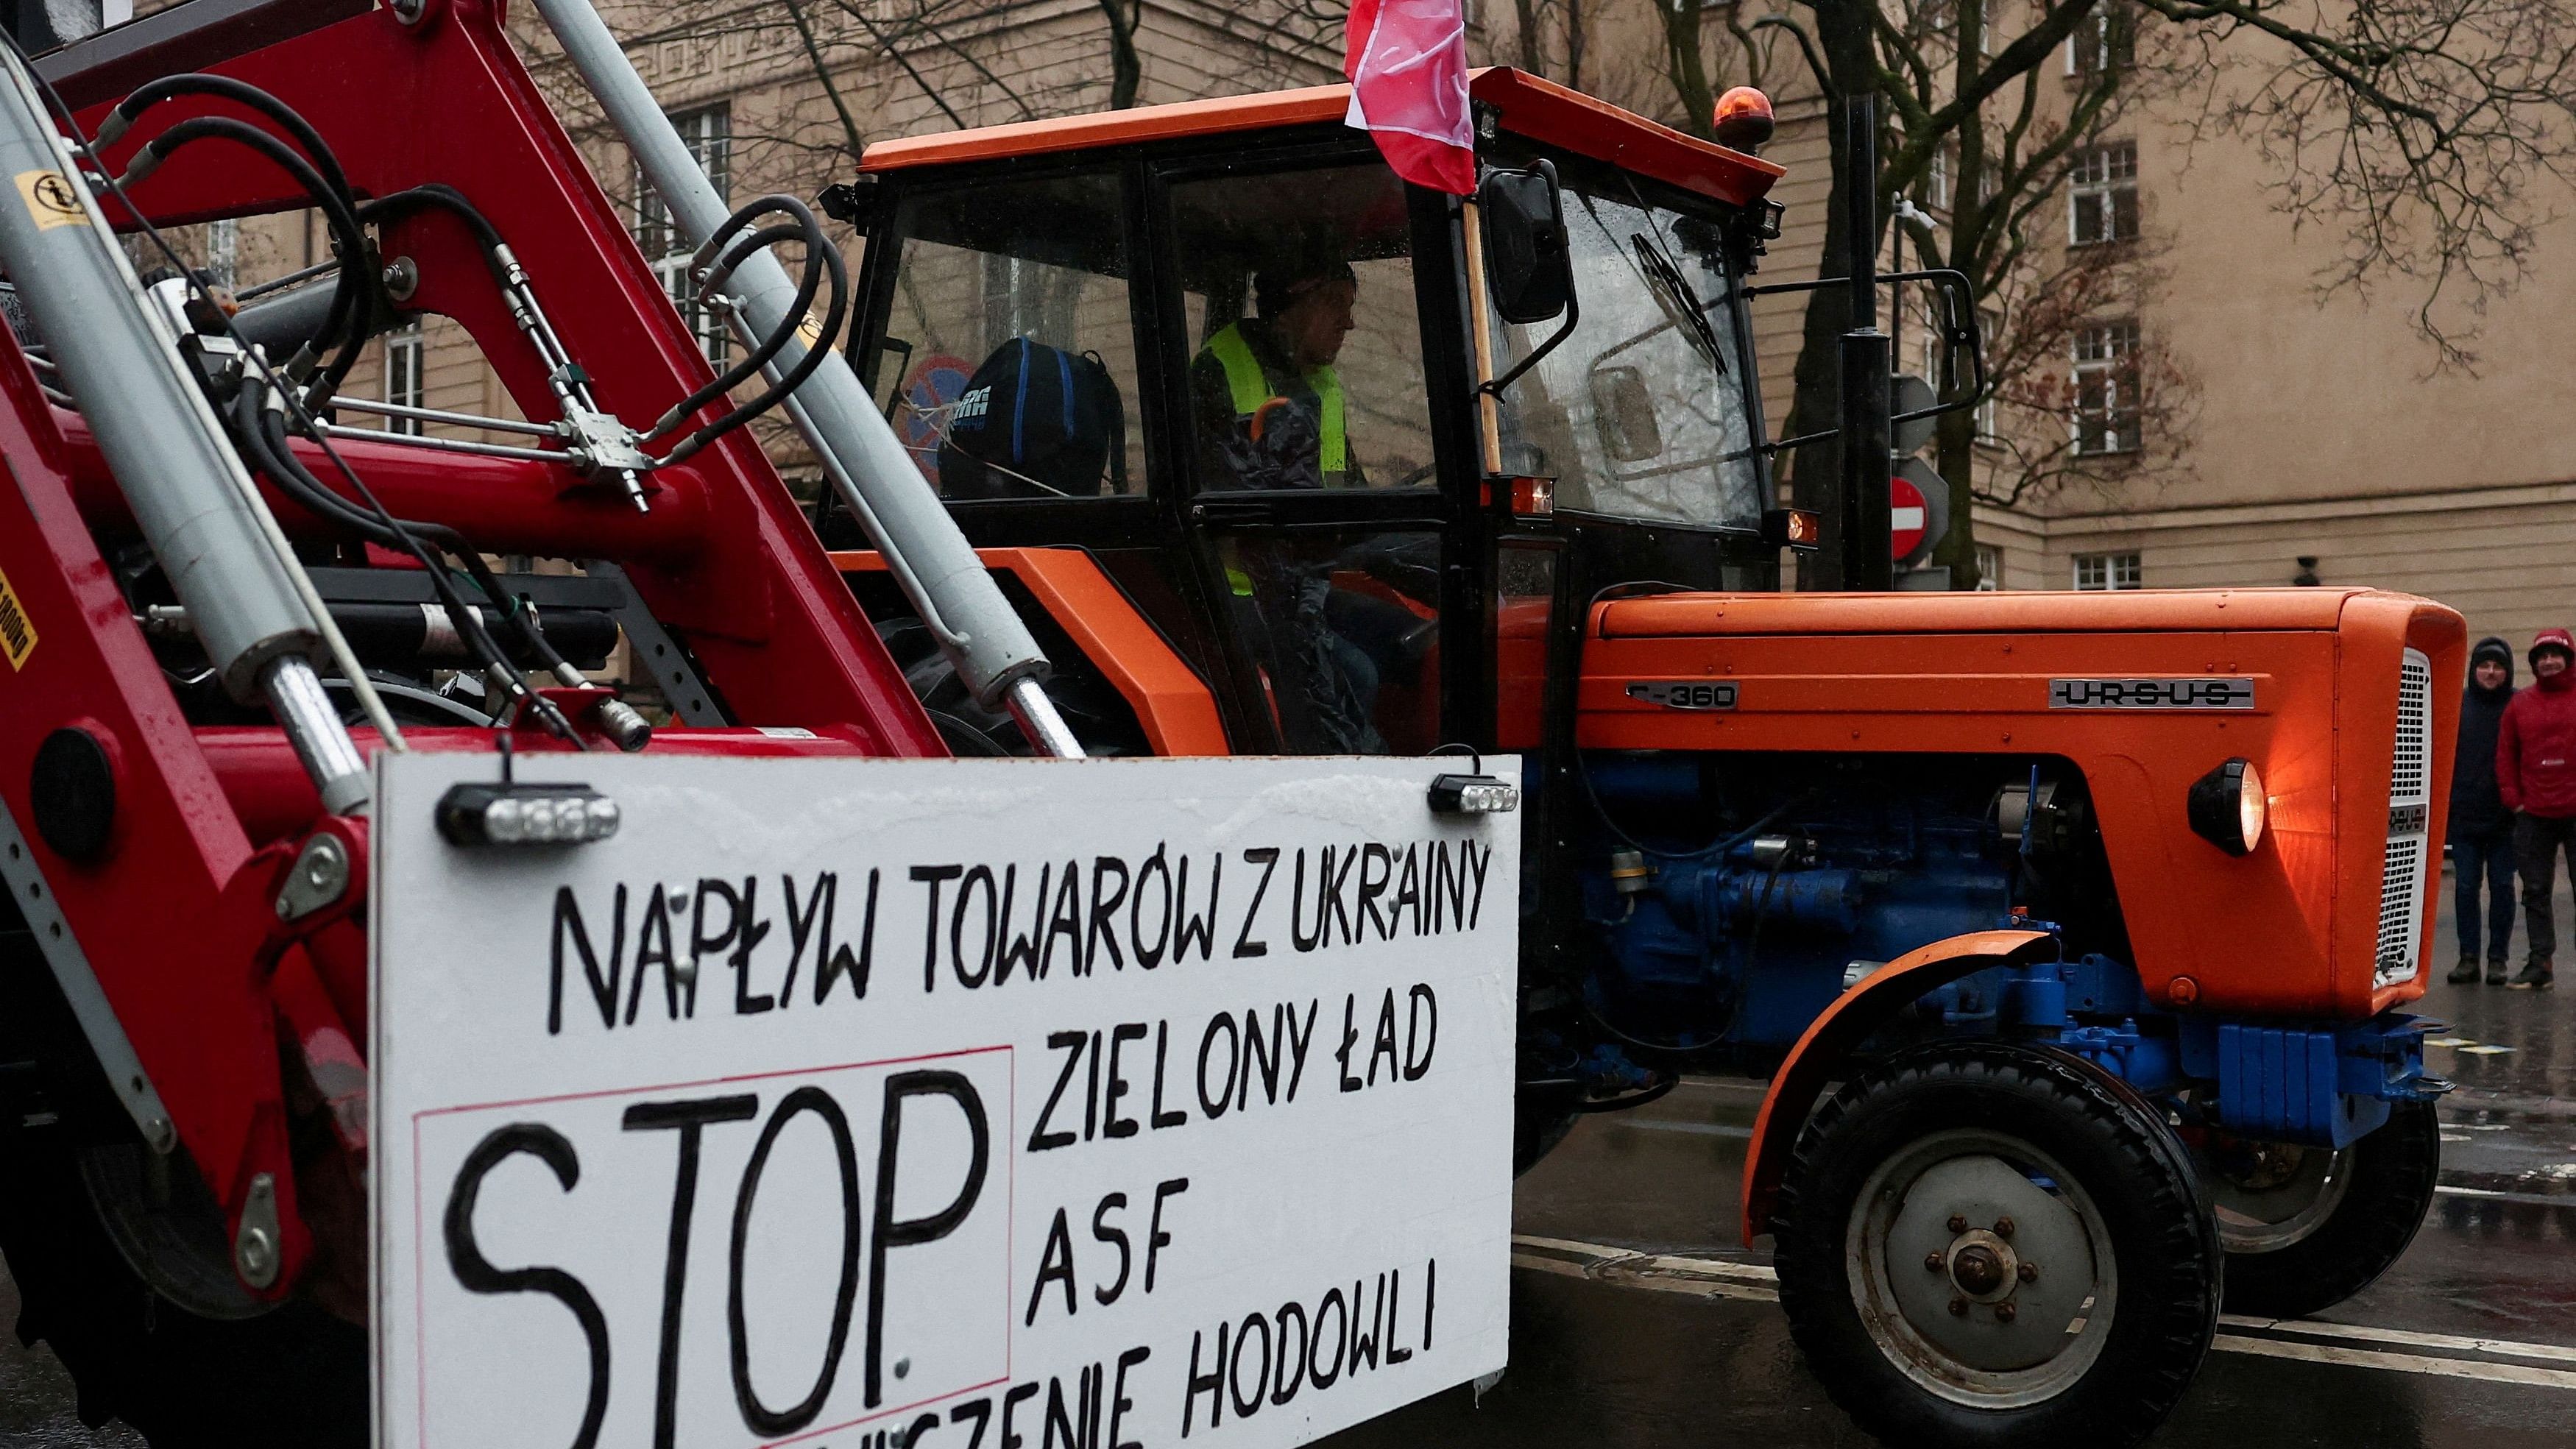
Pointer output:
x,y
352,302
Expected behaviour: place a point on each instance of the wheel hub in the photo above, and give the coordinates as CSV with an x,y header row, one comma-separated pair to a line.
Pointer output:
x,y
1983,1272
2270,1195
1984,1266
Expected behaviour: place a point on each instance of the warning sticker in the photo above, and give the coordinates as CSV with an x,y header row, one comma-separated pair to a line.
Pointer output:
x,y
17,636
50,199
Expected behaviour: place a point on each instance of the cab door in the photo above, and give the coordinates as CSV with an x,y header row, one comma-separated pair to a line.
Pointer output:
x,y
1307,312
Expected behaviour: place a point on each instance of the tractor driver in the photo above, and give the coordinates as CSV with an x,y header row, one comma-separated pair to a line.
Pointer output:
x,y
1271,415
1268,402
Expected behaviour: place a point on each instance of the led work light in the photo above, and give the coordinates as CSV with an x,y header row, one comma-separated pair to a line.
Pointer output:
x,y
514,814
1473,795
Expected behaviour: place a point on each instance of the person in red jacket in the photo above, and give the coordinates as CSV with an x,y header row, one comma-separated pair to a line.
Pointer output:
x,y
2536,775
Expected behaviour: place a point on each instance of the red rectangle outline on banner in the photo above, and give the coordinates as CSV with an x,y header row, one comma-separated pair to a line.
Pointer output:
x,y
1010,1209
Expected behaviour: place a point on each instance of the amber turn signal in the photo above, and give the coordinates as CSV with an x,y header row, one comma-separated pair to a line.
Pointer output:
x,y
1791,528
1743,121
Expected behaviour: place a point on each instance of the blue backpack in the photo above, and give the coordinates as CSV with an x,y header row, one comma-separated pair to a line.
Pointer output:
x,y
1035,422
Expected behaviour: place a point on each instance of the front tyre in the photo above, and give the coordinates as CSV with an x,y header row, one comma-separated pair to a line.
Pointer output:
x,y
2306,1227
1982,1244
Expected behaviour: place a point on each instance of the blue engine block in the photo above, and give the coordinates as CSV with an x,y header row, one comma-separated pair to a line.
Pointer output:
x,y
1729,947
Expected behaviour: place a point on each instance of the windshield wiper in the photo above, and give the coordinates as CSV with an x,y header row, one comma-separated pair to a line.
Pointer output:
x,y
1673,294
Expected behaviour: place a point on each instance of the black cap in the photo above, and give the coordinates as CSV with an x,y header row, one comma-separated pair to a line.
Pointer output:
x,y
1277,286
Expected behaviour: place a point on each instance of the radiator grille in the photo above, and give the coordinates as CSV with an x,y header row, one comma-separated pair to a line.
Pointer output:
x,y
2412,769
2403,877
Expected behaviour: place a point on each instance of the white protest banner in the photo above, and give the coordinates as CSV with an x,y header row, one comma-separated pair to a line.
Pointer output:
x,y
950,1104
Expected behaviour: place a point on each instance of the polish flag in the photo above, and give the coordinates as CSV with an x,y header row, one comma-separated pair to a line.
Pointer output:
x,y
1408,72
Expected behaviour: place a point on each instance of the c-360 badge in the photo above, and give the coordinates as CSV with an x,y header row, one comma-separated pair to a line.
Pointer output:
x,y
2193,692
1684,693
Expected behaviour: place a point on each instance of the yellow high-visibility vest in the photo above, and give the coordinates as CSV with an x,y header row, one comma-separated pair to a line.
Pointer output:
x,y
1251,388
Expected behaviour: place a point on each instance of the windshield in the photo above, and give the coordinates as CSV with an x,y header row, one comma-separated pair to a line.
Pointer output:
x,y
1642,413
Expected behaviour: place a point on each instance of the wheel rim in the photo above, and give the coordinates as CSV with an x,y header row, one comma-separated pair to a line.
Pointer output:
x,y
1981,1269
2270,1195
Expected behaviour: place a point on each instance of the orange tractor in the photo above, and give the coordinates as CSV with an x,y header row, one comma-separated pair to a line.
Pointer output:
x,y
2073,931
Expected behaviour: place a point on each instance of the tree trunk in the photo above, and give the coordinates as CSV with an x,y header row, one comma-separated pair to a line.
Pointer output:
x,y
1954,453
1578,39
1685,66
1126,72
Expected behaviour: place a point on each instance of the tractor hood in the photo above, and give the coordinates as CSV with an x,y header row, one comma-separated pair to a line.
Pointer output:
x,y
2345,701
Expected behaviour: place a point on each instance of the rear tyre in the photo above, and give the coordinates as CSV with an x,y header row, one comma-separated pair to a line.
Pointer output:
x,y
2307,1228
290,1378
1982,1244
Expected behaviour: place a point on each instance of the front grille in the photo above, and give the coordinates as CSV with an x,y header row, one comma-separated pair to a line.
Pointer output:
x,y
2403,876
2412,769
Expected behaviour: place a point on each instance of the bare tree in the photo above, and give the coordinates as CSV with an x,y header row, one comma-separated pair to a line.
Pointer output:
x,y
2422,127
2083,396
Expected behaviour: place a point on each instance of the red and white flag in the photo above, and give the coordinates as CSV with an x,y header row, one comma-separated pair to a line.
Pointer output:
x,y
1408,71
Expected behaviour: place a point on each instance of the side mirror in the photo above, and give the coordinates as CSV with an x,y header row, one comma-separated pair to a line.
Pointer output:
x,y
1528,264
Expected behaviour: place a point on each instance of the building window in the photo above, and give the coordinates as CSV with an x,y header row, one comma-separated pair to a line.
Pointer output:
x,y
1990,326
2109,571
1936,180
2102,194
2106,389
2104,42
406,353
1990,568
708,130
223,254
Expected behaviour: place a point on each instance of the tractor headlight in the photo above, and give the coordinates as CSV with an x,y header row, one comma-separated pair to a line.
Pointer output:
x,y
2228,807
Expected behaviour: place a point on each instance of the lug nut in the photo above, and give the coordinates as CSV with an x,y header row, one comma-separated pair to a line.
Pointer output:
x,y
1958,1308
1932,1262
2029,1271
1958,1224
2003,1227
2004,1313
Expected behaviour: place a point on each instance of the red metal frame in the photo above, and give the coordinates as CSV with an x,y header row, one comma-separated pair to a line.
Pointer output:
x,y
177,920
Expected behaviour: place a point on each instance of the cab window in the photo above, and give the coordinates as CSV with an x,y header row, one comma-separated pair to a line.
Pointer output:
x,y
1306,367
1646,410
1009,361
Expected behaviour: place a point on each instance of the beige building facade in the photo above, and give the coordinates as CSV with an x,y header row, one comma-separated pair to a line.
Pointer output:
x,y
2324,443
2328,446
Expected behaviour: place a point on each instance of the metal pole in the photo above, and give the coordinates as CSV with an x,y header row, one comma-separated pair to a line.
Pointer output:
x,y
992,650
1868,551
196,505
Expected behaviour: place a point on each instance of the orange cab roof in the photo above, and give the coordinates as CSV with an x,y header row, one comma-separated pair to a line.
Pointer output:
x,y
1539,109
2016,612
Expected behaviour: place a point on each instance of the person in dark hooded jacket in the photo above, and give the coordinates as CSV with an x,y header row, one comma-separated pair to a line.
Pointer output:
x,y
2481,826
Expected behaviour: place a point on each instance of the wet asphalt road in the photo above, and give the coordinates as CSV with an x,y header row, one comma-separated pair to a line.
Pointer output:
x,y
1613,1352
2469,1341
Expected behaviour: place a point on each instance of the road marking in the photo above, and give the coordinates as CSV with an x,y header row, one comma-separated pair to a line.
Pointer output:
x,y
2404,1363
1757,1283
2317,1328
2489,1194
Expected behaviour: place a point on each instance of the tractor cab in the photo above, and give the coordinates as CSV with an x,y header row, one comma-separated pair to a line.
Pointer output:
x,y
1218,359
